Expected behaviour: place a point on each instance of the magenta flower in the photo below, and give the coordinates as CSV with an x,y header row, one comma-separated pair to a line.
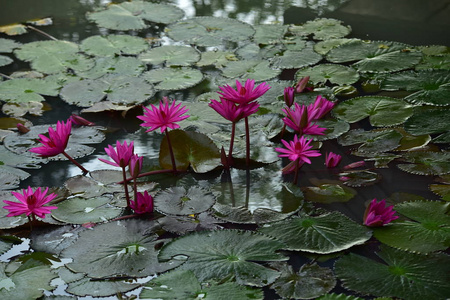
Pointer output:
x,y
22,128
164,116
354,165
319,108
233,112
298,119
135,165
31,203
57,141
121,155
77,120
332,159
301,86
377,214
298,149
244,94
289,94
143,203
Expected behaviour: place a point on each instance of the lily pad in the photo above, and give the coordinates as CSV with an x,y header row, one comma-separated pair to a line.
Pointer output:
x,y
183,224
291,59
269,33
112,45
120,65
372,141
53,56
24,90
190,149
360,178
436,62
309,282
99,288
426,163
335,74
431,87
226,254
173,78
323,234
183,285
13,29
258,70
209,31
21,109
115,88
179,201
328,193
171,55
376,56
399,274
428,121
335,128
381,110
323,47
322,29
8,45
217,58
132,15
5,60
430,231
117,248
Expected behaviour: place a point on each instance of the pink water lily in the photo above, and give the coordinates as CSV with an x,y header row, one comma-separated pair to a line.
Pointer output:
x,y
31,203
164,116
244,94
298,149
143,203
56,142
135,165
299,119
319,108
332,159
378,214
121,155
233,112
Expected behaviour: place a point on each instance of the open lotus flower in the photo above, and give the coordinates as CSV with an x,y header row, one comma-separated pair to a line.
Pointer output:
x,y
377,214
164,116
244,94
121,155
319,108
56,142
31,203
298,149
299,119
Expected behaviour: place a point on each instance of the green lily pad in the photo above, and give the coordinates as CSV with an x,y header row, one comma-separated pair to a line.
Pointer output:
x,y
25,283
99,288
293,59
53,56
112,45
225,254
7,45
117,248
6,242
269,33
399,274
179,201
9,222
426,163
5,60
376,56
120,65
12,160
335,128
79,211
430,231
24,90
381,110
428,121
184,224
132,15
436,62
209,31
115,88
9,181
372,141
252,51
323,47
173,78
171,55
190,149
323,234
13,29
431,87
334,296
258,70
309,282
183,285
335,74
21,109
322,29
360,178
328,193
217,58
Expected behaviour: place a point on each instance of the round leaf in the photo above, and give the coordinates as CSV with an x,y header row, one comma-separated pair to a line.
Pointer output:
x,y
428,121
120,65
112,45
171,55
24,90
322,73
258,70
373,141
178,201
322,29
427,163
291,59
173,78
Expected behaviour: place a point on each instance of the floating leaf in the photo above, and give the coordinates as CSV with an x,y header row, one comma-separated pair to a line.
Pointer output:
x,y
5,60
53,56
99,288
178,201
132,15
291,59
115,88
226,254
117,248
120,65
183,224
183,285
430,232
360,178
322,29
9,181
190,149
24,90
13,29
269,33
323,47
401,273
309,282
334,296
428,121
209,31
322,73
258,70
434,62
173,78
335,128
376,56
426,163
217,58
431,87
381,110
328,193
372,141
327,233
171,55
112,45
254,52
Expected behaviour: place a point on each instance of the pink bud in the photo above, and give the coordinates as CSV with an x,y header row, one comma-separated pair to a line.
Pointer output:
x,y
77,120
354,165
22,128
300,87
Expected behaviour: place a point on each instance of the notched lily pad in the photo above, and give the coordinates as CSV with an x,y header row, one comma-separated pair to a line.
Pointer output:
x,y
335,74
25,90
173,78
171,55
428,121
322,29
258,70
291,59
328,192
372,141
179,201
183,224
112,45
269,33
120,65
426,163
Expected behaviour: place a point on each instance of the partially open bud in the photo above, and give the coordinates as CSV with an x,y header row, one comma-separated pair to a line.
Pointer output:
x,y
289,93
300,87
22,128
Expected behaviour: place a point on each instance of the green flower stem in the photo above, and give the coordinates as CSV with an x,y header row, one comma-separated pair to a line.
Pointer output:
x,y
247,142
125,185
172,157
75,163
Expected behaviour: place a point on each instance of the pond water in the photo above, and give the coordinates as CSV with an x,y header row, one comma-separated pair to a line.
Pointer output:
x,y
417,23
